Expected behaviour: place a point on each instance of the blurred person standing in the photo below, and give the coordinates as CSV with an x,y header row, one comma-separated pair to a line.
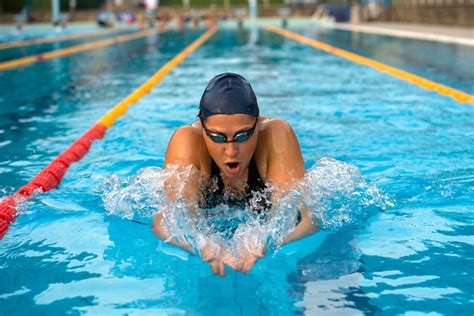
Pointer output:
x,y
151,7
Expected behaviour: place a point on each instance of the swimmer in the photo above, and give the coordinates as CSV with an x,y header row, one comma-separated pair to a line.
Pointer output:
x,y
245,151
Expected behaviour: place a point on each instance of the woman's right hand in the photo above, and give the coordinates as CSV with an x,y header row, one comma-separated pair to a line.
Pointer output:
x,y
210,252
217,257
235,263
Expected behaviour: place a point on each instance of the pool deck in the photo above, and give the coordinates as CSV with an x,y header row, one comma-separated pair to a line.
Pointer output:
x,y
440,33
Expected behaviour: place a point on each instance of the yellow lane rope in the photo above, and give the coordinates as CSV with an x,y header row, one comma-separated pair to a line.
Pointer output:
x,y
401,74
56,38
122,107
72,50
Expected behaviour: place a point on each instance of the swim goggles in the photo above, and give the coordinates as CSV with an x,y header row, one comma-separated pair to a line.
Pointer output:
x,y
240,137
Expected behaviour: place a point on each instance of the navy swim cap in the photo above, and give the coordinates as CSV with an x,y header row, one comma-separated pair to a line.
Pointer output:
x,y
228,93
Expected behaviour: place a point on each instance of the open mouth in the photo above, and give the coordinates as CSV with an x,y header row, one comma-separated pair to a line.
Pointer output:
x,y
233,168
232,165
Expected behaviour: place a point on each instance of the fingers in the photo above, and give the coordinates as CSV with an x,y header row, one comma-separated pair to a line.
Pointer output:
x,y
209,253
234,263
222,272
217,267
230,260
248,264
214,267
218,257
206,257
236,266
249,255
257,250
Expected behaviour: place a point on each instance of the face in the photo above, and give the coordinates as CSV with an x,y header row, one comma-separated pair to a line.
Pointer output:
x,y
232,157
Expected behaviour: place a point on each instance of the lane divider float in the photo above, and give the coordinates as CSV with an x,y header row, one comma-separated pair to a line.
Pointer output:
x,y
68,37
458,95
51,176
73,49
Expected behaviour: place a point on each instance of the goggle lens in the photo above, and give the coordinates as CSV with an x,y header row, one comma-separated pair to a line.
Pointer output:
x,y
239,138
216,138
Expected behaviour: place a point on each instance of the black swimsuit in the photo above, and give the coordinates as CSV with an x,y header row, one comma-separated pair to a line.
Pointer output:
x,y
256,191
255,185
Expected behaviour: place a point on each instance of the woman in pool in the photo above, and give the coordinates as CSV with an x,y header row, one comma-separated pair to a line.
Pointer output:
x,y
245,151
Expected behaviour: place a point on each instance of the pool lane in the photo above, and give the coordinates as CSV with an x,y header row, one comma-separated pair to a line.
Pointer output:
x,y
73,49
448,64
51,176
459,96
38,121
9,54
67,37
407,140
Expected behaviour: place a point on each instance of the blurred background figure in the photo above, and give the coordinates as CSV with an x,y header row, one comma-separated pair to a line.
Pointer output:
x,y
151,7
105,19
72,7
180,22
118,4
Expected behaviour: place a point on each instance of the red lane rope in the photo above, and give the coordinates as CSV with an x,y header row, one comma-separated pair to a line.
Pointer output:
x,y
50,177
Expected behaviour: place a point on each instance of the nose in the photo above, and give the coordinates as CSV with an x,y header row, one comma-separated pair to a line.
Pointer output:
x,y
231,150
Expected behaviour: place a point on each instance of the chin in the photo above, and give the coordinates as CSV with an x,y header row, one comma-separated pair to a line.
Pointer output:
x,y
233,176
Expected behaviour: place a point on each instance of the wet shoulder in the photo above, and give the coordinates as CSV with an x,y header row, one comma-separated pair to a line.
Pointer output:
x,y
278,152
185,146
274,124
272,132
274,135
189,135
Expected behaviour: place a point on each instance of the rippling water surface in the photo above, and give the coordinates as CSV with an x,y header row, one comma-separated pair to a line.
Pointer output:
x,y
65,253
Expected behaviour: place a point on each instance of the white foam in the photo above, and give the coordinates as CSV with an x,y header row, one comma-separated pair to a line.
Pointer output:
x,y
333,191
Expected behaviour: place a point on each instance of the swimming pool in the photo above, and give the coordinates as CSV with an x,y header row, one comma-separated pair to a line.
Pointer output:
x,y
65,254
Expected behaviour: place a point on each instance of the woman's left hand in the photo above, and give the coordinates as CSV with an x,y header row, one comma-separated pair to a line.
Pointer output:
x,y
250,254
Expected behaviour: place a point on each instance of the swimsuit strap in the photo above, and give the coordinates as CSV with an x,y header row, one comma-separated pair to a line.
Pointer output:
x,y
254,180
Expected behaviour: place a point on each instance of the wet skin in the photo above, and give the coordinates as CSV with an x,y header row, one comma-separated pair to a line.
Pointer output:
x,y
279,161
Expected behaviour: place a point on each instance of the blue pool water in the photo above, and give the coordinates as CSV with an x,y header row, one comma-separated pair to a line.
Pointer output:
x,y
25,51
66,254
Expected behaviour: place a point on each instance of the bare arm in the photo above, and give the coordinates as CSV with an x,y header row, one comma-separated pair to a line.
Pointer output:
x,y
186,148
160,231
285,168
181,151
305,228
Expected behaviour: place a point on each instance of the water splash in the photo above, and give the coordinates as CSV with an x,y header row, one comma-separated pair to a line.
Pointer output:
x,y
333,191
337,195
